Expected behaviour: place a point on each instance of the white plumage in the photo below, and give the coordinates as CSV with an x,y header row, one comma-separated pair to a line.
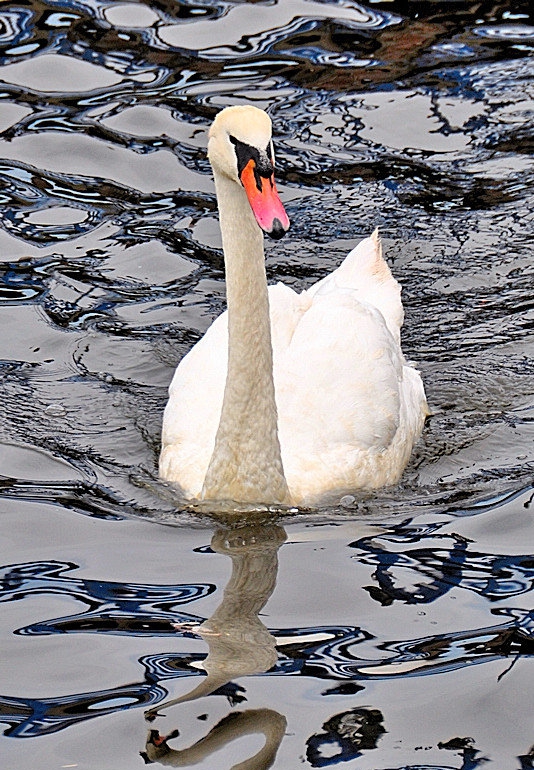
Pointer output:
x,y
349,407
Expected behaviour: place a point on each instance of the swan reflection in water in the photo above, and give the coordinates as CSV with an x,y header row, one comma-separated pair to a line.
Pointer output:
x,y
238,645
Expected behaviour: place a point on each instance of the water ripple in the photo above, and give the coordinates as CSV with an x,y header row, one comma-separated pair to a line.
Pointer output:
x,y
246,31
119,608
518,32
15,25
413,117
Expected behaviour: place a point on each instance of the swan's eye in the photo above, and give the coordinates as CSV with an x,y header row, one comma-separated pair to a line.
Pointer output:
x,y
263,164
244,152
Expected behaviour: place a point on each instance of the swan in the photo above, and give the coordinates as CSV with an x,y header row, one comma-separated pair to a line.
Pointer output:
x,y
288,396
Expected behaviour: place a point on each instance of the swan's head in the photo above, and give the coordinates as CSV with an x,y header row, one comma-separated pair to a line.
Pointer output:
x,y
240,147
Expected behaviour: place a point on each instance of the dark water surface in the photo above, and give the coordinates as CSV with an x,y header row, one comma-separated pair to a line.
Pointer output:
x,y
391,630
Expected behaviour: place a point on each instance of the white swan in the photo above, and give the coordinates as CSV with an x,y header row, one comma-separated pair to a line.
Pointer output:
x,y
288,396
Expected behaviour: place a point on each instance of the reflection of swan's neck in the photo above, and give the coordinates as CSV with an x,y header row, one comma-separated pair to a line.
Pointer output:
x,y
238,642
270,723
239,645
246,464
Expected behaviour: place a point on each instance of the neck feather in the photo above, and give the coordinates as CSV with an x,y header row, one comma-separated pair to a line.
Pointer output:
x,y
246,464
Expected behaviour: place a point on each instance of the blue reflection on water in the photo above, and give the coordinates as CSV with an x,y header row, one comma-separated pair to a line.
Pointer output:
x,y
120,608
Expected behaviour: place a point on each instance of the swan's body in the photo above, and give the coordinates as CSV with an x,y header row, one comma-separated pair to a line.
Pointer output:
x,y
289,396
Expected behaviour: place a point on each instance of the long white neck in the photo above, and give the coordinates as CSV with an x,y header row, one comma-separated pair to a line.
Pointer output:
x,y
246,465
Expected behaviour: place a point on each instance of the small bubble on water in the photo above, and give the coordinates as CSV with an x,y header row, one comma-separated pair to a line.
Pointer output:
x,y
105,377
55,410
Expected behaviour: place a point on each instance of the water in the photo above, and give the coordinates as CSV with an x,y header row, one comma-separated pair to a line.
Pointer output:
x,y
387,630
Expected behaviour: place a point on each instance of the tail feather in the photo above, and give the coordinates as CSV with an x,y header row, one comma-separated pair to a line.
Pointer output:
x,y
366,272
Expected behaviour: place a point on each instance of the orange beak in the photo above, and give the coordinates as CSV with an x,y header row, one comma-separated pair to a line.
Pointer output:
x,y
264,201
